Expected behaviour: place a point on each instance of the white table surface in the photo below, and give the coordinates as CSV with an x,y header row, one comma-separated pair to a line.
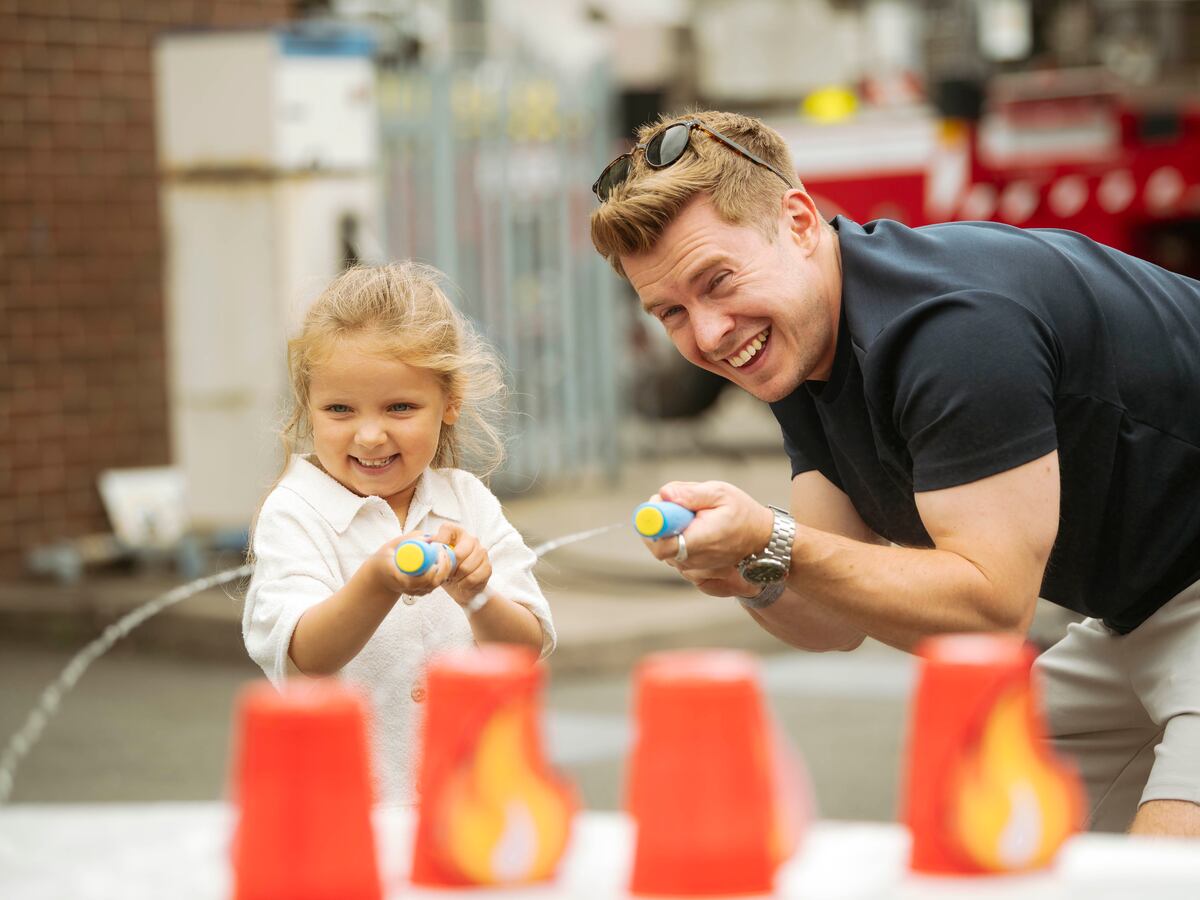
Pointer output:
x,y
180,851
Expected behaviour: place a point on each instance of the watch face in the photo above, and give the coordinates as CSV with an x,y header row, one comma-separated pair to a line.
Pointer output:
x,y
764,571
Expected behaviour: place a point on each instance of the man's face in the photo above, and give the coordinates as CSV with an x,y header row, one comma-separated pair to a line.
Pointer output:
x,y
760,313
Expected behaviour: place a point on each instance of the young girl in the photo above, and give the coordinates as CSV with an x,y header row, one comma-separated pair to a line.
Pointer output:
x,y
385,376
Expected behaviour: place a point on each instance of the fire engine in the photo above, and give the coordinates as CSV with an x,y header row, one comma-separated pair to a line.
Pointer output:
x,y
1057,149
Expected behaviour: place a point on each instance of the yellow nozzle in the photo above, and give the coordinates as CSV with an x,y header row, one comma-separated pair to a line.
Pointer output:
x,y
409,557
649,521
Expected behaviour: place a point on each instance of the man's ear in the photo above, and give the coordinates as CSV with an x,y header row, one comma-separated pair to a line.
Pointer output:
x,y
804,223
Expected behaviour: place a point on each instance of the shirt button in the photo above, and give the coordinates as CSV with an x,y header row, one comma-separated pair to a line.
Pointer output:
x,y
418,694
409,600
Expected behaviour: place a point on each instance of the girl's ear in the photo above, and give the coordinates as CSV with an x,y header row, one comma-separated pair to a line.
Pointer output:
x,y
453,408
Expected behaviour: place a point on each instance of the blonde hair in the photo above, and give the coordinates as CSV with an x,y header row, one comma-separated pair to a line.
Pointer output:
x,y
402,308
637,212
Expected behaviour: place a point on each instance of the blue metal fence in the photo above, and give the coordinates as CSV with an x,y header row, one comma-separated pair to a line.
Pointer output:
x,y
487,176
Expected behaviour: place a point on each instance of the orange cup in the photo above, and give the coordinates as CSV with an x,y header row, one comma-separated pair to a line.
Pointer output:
x,y
983,793
303,787
490,810
718,800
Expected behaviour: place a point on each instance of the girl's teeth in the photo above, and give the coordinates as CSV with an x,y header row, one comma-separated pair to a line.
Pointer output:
x,y
375,463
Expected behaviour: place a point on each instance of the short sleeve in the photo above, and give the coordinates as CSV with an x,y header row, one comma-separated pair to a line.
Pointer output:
x,y
968,383
803,435
291,575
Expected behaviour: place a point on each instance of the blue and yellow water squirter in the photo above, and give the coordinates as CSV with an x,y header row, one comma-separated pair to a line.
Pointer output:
x,y
414,557
661,518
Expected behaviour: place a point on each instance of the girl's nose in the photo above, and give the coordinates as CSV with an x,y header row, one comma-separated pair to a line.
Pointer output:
x,y
370,435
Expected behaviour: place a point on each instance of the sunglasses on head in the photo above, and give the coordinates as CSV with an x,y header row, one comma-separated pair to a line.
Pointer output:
x,y
664,149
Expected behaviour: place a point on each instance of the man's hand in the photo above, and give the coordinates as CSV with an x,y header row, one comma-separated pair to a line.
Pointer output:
x,y
729,526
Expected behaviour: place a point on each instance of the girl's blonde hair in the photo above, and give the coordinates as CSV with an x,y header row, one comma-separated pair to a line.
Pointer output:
x,y
634,217
402,309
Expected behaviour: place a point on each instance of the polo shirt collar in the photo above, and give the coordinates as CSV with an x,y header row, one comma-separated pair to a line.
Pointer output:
x,y
338,505
433,495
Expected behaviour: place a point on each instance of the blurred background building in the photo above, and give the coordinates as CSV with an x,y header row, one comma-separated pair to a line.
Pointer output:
x,y
152,254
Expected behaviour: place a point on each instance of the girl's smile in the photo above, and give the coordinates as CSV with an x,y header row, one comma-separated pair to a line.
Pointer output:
x,y
375,466
376,420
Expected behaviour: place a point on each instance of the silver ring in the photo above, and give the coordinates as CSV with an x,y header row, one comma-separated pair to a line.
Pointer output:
x,y
681,551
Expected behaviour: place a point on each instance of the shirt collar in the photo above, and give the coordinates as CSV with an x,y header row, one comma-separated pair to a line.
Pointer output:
x,y
434,494
339,505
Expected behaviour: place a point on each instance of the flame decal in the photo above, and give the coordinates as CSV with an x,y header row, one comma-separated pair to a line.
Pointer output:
x,y
1011,804
504,822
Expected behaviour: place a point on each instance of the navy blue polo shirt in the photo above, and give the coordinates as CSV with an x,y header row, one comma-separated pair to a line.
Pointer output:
x,y
970,348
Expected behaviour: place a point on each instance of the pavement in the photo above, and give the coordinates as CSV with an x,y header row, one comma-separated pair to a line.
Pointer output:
x,y
612,602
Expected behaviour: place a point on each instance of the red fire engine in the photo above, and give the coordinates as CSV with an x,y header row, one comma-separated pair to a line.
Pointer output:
x,y
1051,150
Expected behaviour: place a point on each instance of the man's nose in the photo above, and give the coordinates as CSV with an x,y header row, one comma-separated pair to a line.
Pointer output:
x,y
710,329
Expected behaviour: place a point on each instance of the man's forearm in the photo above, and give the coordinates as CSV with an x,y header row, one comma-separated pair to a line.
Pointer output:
x,y
897,595
806,626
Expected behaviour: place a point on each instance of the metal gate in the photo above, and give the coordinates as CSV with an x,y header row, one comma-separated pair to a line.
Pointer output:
x,y
487,176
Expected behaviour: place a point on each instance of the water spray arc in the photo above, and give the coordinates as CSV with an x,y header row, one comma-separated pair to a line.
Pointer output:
x,y
49,702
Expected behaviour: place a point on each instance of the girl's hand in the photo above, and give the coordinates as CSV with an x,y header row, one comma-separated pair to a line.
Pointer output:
x,y
389,577
474,566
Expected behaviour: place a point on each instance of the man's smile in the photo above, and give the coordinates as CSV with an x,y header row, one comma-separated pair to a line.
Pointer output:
x,y
750,350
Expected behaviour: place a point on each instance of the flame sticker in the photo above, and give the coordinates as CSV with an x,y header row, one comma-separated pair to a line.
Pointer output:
x,y
1012,805
502,820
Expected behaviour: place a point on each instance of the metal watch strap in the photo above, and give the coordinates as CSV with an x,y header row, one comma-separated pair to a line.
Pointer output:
x,y
764,598
783,536
779,545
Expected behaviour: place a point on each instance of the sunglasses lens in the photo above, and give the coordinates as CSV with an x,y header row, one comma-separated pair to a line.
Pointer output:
x,y
617,171
667,146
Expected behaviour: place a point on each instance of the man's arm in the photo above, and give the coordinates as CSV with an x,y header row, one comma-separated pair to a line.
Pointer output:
x,y
992,540
817,503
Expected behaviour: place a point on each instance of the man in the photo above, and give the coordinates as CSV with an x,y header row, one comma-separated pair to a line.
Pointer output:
x,y
976,416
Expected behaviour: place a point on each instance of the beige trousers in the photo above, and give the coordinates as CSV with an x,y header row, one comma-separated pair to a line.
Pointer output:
x,y
1126,708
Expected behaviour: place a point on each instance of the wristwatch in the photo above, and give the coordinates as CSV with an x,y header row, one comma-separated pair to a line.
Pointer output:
x,y
764,598
770,565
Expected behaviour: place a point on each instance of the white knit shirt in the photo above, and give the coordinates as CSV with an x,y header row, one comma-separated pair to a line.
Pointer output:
x,y
313,534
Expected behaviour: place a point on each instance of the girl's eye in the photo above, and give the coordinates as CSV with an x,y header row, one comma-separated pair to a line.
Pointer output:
x,y
400,407
337,408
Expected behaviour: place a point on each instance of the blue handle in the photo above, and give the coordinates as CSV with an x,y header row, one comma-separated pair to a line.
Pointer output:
x,y
661,518
413,557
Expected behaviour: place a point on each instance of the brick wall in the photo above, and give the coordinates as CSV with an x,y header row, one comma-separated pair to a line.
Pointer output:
x,y
82,371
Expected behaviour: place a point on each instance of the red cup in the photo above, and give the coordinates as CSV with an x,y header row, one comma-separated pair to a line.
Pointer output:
x,y
490,810
303,787
983,793
718,800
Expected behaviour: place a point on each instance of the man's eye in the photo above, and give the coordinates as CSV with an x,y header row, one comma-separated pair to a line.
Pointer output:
x,y
717,281
669,312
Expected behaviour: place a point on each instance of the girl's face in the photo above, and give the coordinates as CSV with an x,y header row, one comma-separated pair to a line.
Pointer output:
x,y
376,421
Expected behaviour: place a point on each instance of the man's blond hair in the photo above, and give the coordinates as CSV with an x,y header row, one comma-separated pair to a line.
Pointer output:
x,y
742,192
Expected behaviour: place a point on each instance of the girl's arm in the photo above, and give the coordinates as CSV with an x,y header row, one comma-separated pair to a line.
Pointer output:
x,y
333,632
503,621
500,619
